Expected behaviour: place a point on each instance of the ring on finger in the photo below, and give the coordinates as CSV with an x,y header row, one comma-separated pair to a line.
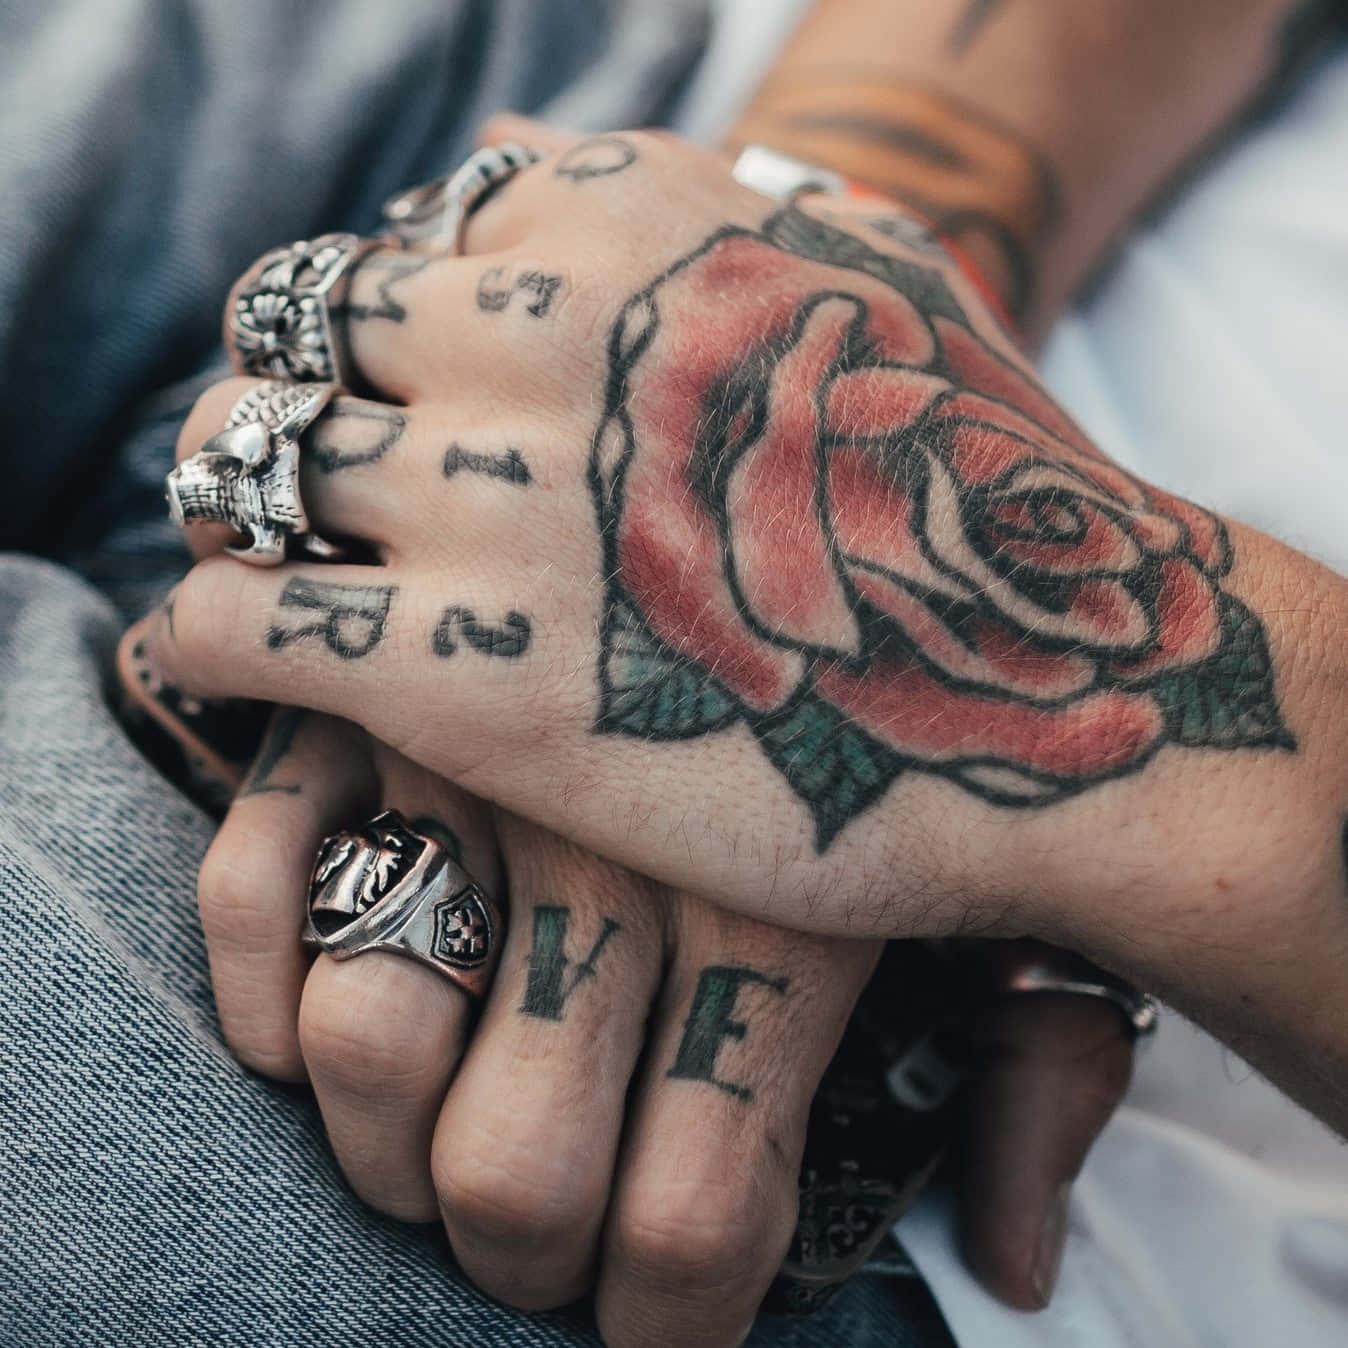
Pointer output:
x,y
247,475
386,886
282,319
439,210
1066,973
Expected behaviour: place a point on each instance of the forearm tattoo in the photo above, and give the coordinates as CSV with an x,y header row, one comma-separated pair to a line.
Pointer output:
x,y
279,742
509,467
353,432
978,181
509,640
493,296
554,975
970,23
840,518
711,1021
393,269
599,157
348,619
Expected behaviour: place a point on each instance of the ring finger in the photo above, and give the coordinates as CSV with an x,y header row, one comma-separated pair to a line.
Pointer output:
x,y
381,1034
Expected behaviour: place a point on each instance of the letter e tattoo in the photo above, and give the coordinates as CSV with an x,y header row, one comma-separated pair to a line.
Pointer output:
x,y
710,1022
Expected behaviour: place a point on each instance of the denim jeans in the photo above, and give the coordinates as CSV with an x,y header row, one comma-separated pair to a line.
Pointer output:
x,y
152,1191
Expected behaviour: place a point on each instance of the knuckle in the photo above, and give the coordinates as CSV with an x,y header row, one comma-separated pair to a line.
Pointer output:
x,y
237,895
705,1239
208,414
492,1196
366,1044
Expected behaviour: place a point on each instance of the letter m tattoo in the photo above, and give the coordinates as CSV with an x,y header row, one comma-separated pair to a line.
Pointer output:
x,y
552,976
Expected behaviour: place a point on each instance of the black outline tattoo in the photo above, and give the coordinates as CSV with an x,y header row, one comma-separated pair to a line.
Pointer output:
x,y
399,267
548,988
507,467
506,642
494,298
936,148
280,740
598,157
341,607
838,766
711,1022
970,24
329,457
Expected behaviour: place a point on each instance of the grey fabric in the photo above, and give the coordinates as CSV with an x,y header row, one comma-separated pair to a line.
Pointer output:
x,y
151,1190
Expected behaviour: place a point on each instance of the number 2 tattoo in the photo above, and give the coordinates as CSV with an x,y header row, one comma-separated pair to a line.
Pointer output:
x,y
844,520
507,642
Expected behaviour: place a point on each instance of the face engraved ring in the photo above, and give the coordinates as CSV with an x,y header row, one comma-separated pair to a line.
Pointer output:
x,y
440,209
386,886
282,320
248,475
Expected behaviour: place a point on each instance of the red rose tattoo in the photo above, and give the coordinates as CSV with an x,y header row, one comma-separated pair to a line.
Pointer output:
x,y
833,513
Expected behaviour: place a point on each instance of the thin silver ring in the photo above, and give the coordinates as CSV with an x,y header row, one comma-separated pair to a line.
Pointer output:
x,y
283,321
439,210
1139,1009
388,886
247,475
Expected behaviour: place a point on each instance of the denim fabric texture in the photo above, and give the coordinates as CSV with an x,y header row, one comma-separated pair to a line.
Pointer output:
x,y
152,1191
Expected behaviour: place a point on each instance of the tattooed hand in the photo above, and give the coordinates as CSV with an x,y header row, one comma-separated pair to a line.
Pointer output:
x,y
815,603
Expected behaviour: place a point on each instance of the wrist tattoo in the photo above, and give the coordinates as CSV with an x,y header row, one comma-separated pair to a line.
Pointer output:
x,y
508,467
352,432
493,297
711,1021
598,157
553,975
508,641
980,183
351,618
855,524
279,742
970,23
393,269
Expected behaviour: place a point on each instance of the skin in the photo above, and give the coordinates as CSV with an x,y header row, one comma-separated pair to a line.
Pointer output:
x,y
925,858
1034,210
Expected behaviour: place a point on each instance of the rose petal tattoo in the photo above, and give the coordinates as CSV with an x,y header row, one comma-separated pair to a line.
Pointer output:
x,y
890,550
351,617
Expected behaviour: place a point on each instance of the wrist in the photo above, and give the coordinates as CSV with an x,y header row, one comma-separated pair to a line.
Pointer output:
x,y
1033,145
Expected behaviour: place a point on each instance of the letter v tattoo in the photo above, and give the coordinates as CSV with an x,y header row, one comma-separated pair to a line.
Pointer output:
x,y
552,976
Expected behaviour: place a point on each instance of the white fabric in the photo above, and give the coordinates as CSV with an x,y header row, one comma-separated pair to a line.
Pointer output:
x,y
1213,359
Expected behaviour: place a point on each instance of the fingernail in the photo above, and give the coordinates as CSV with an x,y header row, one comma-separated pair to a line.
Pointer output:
x,y
1048,1255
